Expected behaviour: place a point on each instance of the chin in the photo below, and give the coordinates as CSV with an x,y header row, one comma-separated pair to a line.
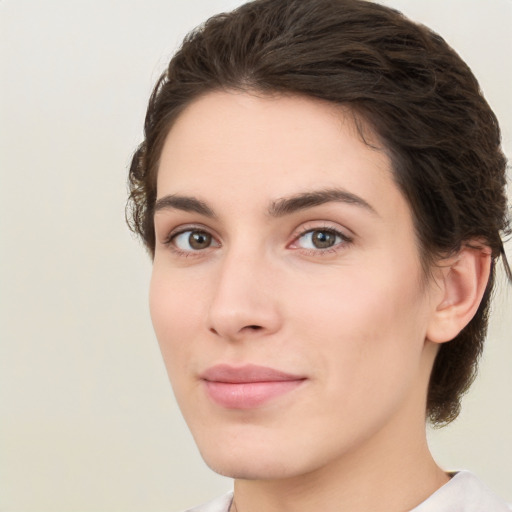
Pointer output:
x,y
257,457
245,467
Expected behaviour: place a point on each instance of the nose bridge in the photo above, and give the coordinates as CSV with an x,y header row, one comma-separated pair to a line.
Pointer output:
x,y
243,301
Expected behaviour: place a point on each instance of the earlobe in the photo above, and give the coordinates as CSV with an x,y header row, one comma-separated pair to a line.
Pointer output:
x,y
462,284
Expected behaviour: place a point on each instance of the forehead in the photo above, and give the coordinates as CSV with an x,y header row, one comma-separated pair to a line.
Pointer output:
x,y
235,148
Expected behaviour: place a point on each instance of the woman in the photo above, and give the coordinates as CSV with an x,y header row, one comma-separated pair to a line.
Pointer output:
x,y
322,190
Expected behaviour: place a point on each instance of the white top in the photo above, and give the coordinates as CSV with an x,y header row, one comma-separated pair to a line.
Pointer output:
x,y
463,493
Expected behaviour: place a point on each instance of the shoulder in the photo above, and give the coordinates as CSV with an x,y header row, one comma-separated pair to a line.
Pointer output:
x,y
464,493
220,504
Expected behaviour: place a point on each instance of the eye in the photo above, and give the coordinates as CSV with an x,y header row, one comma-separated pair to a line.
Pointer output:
x,y
320,239
193,240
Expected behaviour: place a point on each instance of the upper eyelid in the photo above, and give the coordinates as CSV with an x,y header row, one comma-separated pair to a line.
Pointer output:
x,y
344,238
303,231
318,225
299,231
183,228
168,242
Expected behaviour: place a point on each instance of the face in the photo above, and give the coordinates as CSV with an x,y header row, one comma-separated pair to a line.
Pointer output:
x,y
287,293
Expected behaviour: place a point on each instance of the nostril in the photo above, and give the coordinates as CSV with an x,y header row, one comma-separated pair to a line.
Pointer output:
x,y
254,327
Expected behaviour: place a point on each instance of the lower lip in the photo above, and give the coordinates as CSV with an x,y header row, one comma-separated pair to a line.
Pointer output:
x,y
248,395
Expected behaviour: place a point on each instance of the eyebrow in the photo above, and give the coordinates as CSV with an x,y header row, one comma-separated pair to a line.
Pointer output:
x,y
184,203
278,208
304,200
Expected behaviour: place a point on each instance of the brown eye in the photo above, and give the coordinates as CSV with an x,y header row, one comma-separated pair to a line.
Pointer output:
x,y
323,239
320,239
199,240
191,240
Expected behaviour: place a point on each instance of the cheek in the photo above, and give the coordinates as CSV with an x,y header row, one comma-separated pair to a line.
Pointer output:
x,y
175,314
368,329
364,304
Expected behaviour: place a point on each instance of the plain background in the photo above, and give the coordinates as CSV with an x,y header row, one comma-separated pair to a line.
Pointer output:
x,y
88,421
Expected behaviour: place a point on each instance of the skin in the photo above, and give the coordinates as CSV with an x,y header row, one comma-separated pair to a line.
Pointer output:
x,y
356,320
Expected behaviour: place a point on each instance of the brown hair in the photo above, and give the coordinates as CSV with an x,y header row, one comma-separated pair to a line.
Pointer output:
x,y
399,78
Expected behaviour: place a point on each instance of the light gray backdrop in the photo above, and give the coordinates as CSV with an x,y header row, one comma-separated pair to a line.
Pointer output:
x,y
88,422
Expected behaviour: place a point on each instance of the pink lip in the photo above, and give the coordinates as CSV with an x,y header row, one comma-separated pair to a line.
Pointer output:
x,y
248,386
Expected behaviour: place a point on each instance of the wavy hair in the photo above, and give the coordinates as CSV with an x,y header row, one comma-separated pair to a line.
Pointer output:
x,y
399,78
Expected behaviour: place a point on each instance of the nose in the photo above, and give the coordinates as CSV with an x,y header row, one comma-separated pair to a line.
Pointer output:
x,y
244,303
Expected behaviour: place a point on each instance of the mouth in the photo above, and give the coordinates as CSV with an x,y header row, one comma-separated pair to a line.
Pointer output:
x,y
247,387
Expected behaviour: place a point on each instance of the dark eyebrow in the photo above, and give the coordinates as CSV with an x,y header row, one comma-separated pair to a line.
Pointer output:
x,y
304,200
278,208
184,203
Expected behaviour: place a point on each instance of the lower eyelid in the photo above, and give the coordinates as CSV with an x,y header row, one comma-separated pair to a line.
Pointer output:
x,y
184,229
169,241
336,232
344,240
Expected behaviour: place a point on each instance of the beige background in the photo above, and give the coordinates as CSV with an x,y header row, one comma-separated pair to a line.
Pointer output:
x,y
88,422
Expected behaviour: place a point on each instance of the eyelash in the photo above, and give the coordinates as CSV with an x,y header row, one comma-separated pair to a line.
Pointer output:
x,y
345,240
170,241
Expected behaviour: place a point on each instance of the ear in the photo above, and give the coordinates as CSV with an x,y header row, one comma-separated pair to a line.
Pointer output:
x,y
461,282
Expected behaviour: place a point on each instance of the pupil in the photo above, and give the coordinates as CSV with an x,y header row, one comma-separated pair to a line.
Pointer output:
x,y
199,240
322,239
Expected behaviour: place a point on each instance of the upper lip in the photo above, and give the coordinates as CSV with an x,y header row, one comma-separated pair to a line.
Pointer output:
x,y
245,374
